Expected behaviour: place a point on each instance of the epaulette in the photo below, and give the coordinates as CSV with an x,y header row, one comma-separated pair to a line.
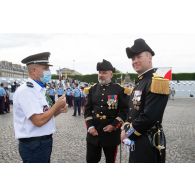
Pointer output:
x,y
29,84
128,90
160,85
86,89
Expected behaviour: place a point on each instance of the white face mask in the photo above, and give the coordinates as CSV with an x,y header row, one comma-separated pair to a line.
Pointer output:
x,y
46,78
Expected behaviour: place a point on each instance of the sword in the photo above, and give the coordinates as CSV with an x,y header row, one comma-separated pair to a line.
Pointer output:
x,y
159,140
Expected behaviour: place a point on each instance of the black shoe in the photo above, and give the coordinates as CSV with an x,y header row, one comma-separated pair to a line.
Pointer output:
x,y
73,115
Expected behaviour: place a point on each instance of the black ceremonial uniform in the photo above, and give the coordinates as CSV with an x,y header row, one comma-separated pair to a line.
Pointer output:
x,y
106,105
146,113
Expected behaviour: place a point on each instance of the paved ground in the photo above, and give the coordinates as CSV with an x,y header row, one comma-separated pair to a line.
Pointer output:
x,y
69,140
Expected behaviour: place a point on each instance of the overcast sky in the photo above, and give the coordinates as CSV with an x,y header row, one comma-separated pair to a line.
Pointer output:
x,y
81,33
82,51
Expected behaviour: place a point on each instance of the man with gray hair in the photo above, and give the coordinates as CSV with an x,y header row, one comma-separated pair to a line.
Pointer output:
x,y
33,111
105,111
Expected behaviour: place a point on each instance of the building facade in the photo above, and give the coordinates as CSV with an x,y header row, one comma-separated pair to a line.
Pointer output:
x,y
9,70
65,72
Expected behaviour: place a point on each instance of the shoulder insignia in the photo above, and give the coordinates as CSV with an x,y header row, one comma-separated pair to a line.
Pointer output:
x,y
86,90
29,84
128,90
160,85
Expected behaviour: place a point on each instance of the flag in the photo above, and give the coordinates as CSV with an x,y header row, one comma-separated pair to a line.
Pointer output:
x,y
165,72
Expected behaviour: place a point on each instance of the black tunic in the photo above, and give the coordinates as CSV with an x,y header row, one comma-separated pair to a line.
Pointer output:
x,y
146,108
106,105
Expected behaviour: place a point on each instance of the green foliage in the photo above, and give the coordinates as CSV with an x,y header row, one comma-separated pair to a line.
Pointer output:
x,y
183,76
93,78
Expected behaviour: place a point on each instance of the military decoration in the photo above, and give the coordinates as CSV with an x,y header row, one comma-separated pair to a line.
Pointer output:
x,y
112,101
137,99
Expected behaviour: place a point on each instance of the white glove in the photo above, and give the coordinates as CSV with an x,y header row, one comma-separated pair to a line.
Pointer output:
x,y
127,141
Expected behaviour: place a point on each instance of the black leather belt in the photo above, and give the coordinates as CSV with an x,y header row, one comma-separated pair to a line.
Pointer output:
x,y
45,137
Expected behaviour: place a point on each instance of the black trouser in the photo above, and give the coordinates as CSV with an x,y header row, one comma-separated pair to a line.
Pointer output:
x,y
36,149
94,153
7,105
69,100
145,152
77,105
52,98
2,104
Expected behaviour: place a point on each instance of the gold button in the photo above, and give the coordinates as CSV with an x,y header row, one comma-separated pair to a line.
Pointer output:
x,y
101,106
104,116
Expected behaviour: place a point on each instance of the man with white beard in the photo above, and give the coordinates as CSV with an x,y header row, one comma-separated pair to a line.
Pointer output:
x,y
105,111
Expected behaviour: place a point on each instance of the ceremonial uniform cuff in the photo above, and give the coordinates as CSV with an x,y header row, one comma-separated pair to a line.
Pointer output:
x,y
89,122
90,128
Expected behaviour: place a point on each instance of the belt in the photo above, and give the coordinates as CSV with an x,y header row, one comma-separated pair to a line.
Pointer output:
x,y
40,138
103,117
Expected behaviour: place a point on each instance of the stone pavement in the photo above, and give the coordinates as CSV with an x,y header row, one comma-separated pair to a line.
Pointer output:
x,y
69,139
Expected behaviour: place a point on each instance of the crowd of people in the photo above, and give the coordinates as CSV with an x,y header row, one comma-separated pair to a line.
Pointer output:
x,y
74,92
72,89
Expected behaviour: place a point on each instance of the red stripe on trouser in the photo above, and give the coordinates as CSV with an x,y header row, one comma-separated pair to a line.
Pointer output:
x,y
115,153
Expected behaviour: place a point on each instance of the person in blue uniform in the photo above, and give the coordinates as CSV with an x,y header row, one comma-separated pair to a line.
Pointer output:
x,y
147,104
83,100
2,98
51,92
69,96
60,90
33,112
77,100
105,111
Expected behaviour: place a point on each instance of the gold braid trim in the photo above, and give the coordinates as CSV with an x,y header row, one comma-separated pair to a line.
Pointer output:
x,y
86,90
160,85
128,90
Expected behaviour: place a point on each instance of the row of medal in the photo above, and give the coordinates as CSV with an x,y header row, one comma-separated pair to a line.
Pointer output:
x,y
112,102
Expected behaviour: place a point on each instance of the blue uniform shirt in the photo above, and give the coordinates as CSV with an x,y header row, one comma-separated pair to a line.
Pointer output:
x,y
51,91
2,91
76,92
60,91
68,92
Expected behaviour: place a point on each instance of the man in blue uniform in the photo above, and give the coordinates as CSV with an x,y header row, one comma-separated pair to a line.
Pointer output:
x,y
69,96
77,100
105,110
33,111
51,92
60,90
2,98
147,104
